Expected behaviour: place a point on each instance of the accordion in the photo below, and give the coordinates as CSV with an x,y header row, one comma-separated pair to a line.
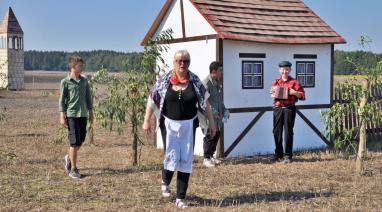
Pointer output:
x,y
281,92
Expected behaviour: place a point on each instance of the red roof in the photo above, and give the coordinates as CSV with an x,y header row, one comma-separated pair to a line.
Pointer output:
x,y
10,23
265,21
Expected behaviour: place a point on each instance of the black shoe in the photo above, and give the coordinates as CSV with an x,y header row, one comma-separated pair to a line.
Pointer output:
x,y
288,160
276,158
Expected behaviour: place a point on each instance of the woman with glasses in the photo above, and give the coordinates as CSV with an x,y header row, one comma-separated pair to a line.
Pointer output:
x,y
179,102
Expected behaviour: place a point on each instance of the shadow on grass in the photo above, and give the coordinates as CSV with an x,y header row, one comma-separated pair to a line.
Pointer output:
x,y
122,145
111,171
254,198
40,161
26,135
37,161
250,160
268,159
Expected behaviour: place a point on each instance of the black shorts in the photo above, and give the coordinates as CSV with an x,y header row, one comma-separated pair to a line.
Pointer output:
x,y
77,131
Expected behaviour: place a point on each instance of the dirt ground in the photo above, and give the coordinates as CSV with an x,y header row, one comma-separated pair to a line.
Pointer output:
x,y
32,173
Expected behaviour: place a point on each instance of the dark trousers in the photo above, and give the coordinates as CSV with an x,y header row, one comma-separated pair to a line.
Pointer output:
x,y
283,119
209,144
181,182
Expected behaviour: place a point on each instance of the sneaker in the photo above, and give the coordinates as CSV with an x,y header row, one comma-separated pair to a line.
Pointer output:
x,y
215,161
208,162
166,192
75,174
288,160
68,165
181,203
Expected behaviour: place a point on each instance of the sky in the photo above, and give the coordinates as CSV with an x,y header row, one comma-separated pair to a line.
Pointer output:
x,y
120,25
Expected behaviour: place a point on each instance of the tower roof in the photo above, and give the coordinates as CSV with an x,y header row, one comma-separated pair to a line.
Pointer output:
x,y
10,23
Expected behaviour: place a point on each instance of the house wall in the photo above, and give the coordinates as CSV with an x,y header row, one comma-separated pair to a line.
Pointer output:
x,y
202,54
173,20
236,97
259,139
195,23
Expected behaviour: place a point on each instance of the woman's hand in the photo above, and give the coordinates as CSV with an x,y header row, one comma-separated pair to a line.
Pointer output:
x,y
146,126
146,123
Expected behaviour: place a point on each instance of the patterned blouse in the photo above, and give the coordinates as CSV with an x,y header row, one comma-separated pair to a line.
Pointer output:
x,y
158,92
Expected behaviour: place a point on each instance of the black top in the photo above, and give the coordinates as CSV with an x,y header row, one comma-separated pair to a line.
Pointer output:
x,y
180,105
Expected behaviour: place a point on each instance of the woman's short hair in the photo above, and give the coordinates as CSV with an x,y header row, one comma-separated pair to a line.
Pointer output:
x,y
182,52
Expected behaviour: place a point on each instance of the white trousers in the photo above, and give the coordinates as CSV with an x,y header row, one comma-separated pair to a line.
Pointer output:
x,y
179,145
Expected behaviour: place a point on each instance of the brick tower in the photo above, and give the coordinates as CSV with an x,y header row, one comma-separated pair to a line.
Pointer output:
x,y
11,53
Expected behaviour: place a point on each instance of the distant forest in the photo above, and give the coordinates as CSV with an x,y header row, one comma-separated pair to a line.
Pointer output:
x,y
365,59
119,61
95,60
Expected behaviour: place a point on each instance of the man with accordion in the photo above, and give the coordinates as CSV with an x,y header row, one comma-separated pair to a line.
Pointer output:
x,y
285,91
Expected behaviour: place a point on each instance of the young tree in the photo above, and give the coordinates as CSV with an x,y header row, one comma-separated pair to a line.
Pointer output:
x,y
357,96
125,101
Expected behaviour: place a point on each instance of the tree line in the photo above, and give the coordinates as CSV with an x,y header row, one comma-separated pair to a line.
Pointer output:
x,y
95,60
367,60
120,61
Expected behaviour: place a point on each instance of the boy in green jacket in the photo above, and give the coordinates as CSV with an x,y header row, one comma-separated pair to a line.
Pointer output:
x,y
75,103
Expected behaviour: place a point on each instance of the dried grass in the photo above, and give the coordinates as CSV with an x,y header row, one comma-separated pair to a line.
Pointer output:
x,y
35,179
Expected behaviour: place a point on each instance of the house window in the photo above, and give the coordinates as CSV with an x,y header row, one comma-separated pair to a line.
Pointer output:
x,y
306,73
253,74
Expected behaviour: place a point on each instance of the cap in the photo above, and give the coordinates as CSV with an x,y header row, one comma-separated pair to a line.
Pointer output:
x,y
285,64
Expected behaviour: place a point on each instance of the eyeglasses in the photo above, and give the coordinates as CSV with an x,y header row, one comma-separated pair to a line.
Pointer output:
x,y
182,61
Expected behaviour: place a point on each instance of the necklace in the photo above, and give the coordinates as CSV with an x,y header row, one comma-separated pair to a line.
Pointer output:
x,y
180,89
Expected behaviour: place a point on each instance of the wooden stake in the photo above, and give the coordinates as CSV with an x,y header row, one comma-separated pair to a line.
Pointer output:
x,y
361,156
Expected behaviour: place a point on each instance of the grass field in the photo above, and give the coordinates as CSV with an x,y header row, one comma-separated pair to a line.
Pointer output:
x,y
32,173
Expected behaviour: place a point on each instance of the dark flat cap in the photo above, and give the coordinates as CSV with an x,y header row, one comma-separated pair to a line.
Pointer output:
x,y
285,64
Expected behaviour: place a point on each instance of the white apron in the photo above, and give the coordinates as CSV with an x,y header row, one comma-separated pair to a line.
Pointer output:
x,y
179,145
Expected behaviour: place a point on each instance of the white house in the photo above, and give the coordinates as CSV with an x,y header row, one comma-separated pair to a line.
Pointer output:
x,y
250,37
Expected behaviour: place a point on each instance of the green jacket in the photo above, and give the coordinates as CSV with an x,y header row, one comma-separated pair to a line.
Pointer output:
x,y
216,99
75,97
